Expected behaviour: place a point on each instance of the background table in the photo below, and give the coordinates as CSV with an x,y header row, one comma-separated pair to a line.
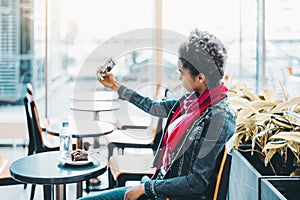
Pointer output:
x,y
94,106
96,96
45,169
82,129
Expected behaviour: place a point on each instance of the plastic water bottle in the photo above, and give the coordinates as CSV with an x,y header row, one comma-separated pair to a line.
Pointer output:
x,y
65,136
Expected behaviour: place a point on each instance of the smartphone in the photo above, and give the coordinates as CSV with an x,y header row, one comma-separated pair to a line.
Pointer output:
x,y
107,67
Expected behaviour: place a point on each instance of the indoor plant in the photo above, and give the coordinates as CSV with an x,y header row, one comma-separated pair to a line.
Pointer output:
x,y
267,138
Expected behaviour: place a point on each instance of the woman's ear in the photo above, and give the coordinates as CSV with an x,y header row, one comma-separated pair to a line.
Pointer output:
x,y
201,77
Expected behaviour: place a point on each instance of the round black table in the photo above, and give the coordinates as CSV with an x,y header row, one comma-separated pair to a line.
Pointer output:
x,y
45,169
83,129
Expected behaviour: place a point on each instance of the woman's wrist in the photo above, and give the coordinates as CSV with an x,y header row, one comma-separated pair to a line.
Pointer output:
x,y
149,189
116,86
142,189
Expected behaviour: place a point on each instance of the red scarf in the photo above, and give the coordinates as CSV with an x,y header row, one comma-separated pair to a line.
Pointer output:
x,y
193,106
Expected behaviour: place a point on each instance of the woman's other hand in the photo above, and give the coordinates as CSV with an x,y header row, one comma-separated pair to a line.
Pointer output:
x,y
133,193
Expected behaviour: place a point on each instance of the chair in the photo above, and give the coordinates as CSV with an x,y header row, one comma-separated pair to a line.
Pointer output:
x,y
124,168
122,139
120,169
220,185
134,167
222,182
43,122
125,138
37,144
5,178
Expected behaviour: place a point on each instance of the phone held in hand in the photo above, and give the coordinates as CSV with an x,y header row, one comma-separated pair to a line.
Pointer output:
x,y
107,67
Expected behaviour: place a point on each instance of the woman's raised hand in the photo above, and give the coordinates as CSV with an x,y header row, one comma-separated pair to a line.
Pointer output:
x,y
107,79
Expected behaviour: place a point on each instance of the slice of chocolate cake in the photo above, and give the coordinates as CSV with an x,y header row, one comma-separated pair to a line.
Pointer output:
x,y
79,155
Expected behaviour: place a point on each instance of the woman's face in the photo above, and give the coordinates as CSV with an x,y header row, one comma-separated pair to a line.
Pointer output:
x,y
189,82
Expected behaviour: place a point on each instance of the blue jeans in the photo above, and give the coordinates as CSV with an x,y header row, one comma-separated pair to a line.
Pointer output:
x,y
112,194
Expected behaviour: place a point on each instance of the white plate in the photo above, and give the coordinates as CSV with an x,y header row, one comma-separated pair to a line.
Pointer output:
x,y
80,162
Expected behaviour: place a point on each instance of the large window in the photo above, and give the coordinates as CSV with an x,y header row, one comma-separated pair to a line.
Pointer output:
x,y
233,22
58,46
83,35
282,46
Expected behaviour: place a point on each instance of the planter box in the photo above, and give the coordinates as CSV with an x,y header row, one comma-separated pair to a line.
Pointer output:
x,y
280,188
246,174
243,179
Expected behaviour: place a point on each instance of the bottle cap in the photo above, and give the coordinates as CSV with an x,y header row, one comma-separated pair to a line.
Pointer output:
x,y
65,124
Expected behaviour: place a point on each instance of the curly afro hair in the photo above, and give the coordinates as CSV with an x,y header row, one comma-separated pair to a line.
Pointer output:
x,y
204,53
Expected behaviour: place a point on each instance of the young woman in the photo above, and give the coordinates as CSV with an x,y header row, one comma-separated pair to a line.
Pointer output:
x,y
198,126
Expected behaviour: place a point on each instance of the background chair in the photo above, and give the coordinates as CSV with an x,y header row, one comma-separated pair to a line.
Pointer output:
x,y
43,122
5,178
134,137
37,144
128,136
124,168
132,167
37,141
125,138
